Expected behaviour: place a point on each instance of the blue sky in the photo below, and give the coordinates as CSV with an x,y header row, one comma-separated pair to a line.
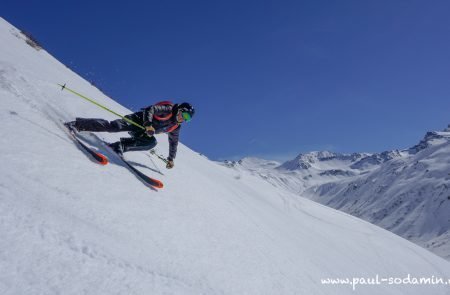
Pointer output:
x,y
268,78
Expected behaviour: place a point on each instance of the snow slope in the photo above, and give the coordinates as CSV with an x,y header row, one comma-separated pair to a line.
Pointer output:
x,y
404,191
70,226
408,195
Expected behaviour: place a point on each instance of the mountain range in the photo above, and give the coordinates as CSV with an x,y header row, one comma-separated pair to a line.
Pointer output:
x,y
404,191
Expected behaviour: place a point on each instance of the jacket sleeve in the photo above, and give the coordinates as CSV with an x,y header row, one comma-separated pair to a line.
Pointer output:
x,y
158,110
173,143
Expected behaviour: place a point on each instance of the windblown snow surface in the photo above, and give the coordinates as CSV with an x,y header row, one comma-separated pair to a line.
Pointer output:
x,y
71,226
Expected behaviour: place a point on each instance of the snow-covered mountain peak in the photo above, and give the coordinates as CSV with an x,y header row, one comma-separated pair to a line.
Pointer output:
x,y
321,160
447,130
431,138
252,163
376,159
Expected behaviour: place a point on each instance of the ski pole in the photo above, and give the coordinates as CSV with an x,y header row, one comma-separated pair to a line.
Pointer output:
x,y
99,105
153,152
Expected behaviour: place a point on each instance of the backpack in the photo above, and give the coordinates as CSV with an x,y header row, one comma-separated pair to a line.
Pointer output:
x,y
161,103
165,118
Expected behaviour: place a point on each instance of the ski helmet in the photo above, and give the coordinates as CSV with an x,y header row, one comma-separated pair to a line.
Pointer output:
x,y
187,110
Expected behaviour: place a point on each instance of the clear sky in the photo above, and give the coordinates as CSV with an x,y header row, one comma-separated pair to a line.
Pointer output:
x,y
268,78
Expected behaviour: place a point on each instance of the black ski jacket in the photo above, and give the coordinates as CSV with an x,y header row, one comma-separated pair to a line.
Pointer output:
x,y
163,117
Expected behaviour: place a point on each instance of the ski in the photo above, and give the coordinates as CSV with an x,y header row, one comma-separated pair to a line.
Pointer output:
x,y
154,183
98,157
145,178
103,160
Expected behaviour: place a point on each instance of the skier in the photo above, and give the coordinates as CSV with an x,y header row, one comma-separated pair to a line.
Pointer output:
x,y
163,117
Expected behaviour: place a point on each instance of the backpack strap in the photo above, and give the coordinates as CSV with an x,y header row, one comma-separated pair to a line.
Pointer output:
x,y
172,128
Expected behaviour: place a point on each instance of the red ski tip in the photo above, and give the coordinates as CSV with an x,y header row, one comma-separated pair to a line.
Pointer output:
x,y
158,184
103,160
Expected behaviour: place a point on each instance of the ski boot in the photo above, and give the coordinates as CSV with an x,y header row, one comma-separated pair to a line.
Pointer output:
x,y
117,147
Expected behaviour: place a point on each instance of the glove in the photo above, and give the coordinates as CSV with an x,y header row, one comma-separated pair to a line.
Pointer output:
x,y
150,130
170,164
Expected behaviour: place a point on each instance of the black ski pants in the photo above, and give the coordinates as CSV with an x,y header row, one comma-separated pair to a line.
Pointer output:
x,y
139,141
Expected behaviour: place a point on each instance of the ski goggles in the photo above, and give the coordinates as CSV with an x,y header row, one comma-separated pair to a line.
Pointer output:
x,y
186,116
